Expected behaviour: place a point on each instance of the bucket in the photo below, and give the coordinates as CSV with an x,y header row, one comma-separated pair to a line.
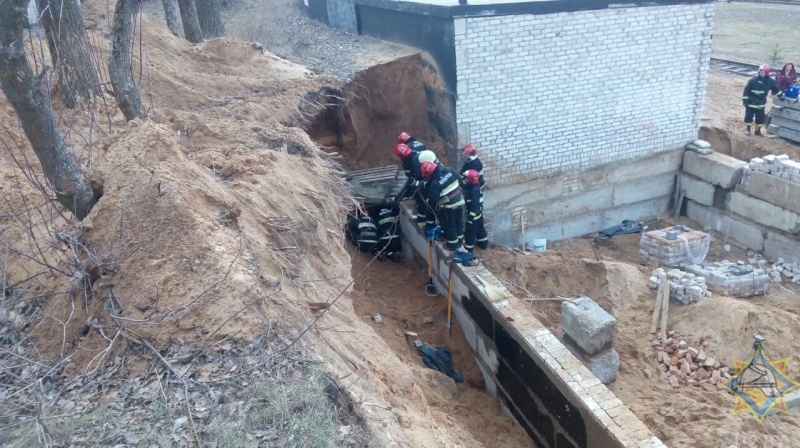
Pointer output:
x,y
539,245
793,92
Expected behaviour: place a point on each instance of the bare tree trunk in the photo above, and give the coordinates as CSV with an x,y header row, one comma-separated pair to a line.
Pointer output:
x,y
69,50
119,63
171,15
191,24
208,12
32,105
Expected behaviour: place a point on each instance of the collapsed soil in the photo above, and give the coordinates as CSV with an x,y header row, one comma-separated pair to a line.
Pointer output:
x,y
617,281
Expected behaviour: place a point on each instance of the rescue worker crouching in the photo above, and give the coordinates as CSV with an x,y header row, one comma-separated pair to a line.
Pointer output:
x,y
754,98
475,232
389,244
367,234
444,196
412,143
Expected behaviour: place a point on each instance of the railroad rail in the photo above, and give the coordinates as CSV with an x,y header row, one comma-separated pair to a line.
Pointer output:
x,y
737,68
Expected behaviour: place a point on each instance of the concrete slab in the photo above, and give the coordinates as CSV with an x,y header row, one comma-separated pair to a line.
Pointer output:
x,y
715,168
763,212
589,325
780,246
622,172
746,233
773,189
697,190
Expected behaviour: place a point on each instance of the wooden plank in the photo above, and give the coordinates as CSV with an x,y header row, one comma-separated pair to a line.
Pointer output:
x,y
664,311
678,205
662,283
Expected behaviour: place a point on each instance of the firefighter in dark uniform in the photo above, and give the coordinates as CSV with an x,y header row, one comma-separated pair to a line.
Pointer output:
x,y
389,234
367,234
444,195
414,180
474,232
412,143
472,163
754,98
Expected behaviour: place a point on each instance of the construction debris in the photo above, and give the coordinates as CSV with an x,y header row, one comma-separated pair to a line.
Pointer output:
x,y
789,270
781,166
700,146
684,287
682,364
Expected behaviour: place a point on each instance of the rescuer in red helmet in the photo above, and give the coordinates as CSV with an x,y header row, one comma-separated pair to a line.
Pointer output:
x,y
444,196
412,143
754,98
414,181
472,163
474,232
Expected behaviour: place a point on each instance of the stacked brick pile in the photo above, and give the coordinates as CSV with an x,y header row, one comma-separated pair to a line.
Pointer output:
x,y
700,146
789,270
655,247
684,287
781,166
733,279
682,364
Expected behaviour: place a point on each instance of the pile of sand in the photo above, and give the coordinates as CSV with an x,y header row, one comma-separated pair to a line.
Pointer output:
x,y
612,277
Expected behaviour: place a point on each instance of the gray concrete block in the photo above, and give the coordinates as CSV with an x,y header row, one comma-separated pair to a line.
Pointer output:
x,y
697,190
604,365
763,212
715,168
643,189
774,189
589,325
640,167
780,246
743,232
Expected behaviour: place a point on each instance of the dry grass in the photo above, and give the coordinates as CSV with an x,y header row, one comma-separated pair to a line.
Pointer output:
x,y
757,33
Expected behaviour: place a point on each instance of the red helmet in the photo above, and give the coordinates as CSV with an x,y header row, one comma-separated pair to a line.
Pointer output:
x,y
402,150
470,150
473,177
403,137
765,68
427,169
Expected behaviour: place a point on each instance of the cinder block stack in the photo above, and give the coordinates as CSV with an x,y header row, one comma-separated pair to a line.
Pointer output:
x,y
789,270
684,287
733,279
589,335
654,246
781,166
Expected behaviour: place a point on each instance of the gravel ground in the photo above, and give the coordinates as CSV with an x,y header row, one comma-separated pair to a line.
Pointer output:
x,y
284,28
757,33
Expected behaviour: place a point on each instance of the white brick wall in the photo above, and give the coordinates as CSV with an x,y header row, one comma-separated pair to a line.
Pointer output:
x,y
540,94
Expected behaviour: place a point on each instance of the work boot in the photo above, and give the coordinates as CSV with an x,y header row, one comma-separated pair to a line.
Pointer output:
x,y
747,132
758,131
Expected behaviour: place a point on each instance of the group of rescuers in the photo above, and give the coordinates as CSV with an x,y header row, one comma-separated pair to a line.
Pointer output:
x,y
754,97
454,199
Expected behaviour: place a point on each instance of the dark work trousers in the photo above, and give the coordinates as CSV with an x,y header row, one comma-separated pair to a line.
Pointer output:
x,y
419,199
749,112
452,222
475,232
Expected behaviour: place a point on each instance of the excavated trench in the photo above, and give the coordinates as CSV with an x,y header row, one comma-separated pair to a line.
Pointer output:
x,y
362,127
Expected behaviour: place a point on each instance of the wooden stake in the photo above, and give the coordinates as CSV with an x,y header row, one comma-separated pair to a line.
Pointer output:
x,y
664,310
657,308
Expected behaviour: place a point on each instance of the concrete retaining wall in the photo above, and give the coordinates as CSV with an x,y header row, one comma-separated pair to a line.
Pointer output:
x,y
758,210
539,382
574,204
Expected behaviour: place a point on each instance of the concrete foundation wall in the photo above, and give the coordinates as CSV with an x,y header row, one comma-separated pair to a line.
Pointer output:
x,y
757,210
554,397
568,205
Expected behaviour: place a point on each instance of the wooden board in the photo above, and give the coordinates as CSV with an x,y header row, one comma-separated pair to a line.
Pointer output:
x,y
662,283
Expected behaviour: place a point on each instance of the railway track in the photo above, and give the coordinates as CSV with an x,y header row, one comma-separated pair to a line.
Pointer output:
x,y
736,68
772,2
